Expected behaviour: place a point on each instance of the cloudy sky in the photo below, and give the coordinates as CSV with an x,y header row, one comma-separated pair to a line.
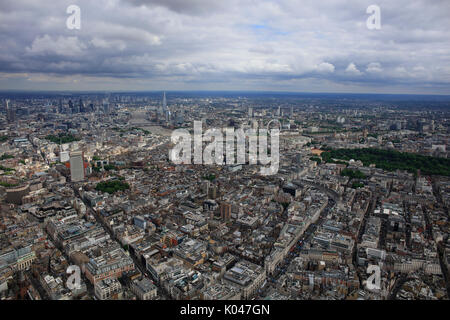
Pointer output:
x,y
284,45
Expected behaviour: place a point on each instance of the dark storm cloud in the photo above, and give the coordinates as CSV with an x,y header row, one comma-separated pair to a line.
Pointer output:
x,y
248,44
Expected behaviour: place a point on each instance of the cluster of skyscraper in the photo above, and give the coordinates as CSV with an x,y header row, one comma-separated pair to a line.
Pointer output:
x,y
81,107
170,117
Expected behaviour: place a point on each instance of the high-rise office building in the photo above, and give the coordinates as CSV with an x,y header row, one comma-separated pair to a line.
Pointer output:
x,y
81,106
106,106
164,102
76,166
205,187
212,192
73,108
166,111
10,112
225,211
60,106
250,112
162,106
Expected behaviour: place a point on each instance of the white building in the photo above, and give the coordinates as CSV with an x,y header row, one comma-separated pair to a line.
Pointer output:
x,y
76,166
108,289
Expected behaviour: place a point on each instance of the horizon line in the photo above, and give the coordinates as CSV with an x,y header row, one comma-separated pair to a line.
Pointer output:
x,y
221,91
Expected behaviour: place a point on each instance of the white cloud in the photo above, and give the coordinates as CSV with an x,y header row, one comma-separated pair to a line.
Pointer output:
x,y
325,67
63,46
104,44
374,67
352,69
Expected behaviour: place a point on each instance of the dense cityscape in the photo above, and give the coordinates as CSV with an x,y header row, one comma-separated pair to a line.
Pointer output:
x,y
238,159
87,183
